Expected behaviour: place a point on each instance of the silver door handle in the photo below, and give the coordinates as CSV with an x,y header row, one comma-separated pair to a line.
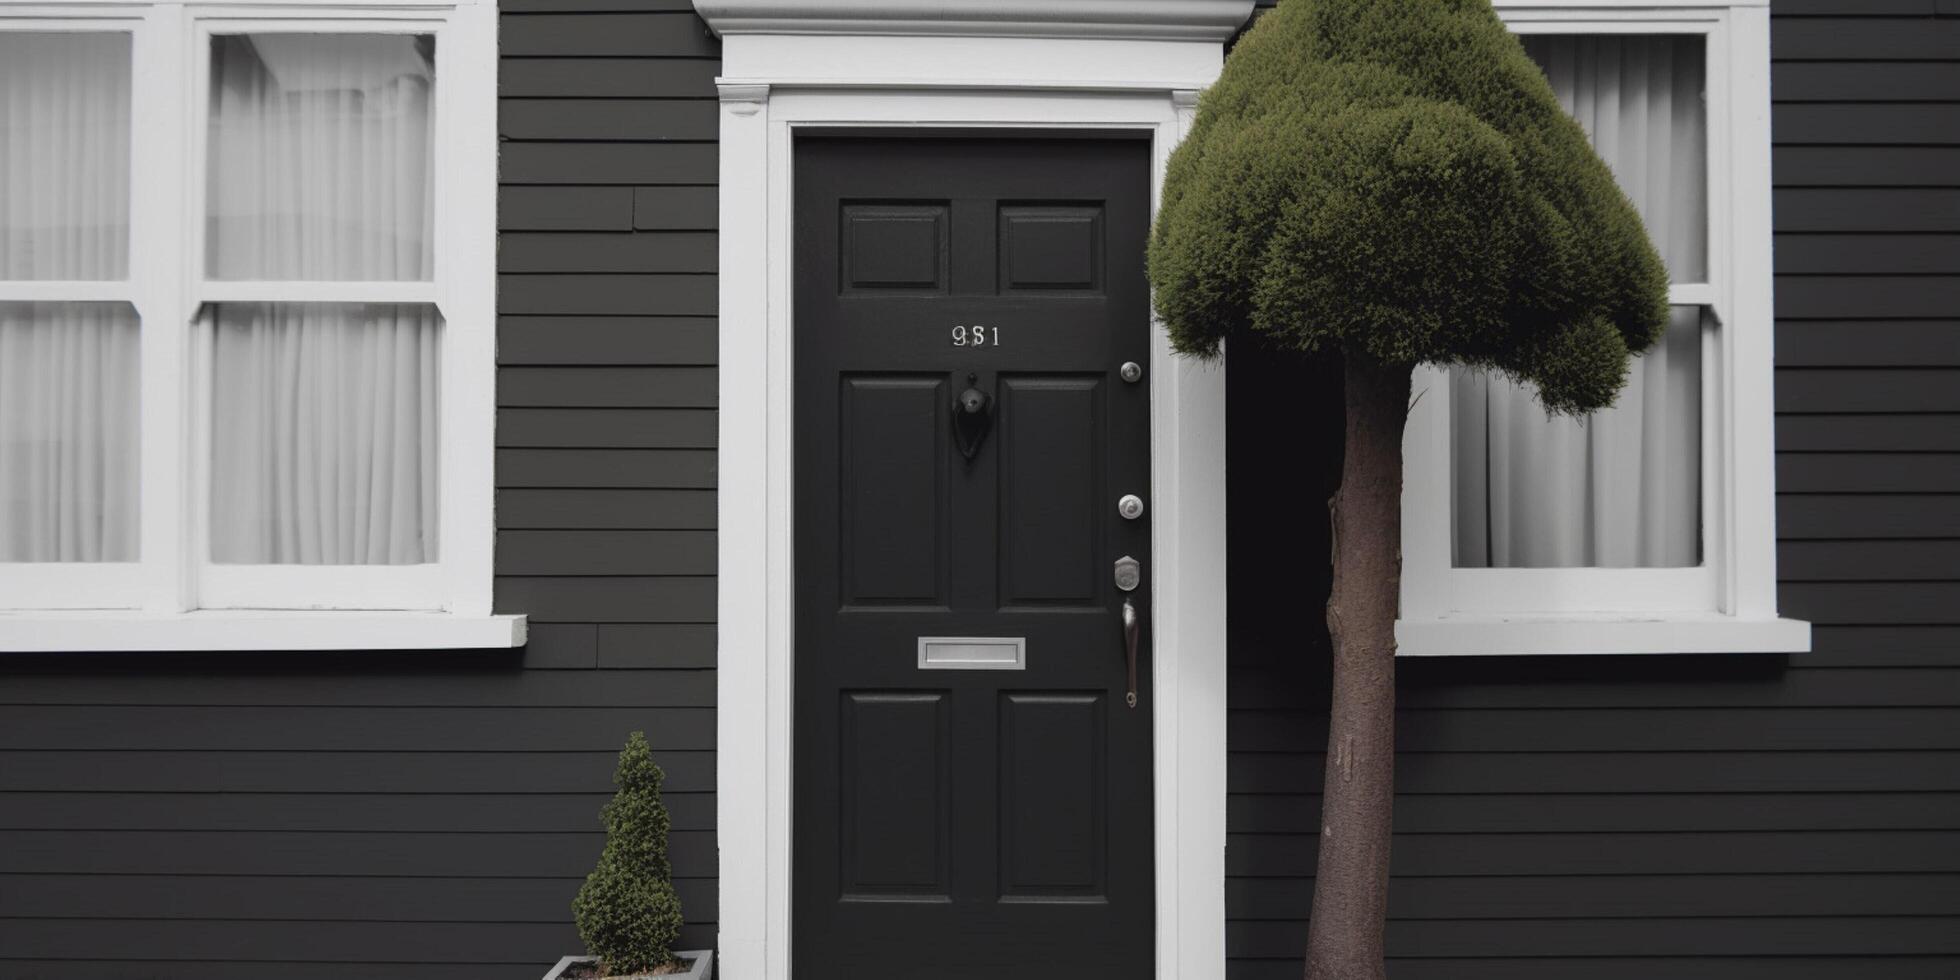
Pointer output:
x,y
1130,629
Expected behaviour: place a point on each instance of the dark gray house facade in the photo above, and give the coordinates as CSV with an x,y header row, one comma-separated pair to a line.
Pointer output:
x,y
427,814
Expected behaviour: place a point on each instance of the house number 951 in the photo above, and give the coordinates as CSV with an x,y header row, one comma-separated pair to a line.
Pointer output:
x,y
976,336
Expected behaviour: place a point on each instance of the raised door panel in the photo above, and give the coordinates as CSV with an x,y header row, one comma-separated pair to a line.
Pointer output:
x,y
1051,476
896,797
892,490
1053,797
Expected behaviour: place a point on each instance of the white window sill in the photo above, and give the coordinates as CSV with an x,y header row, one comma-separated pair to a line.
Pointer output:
x,y
1487,636
254,629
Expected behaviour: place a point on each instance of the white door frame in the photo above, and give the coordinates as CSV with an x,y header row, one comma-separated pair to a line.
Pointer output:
x,y
775,85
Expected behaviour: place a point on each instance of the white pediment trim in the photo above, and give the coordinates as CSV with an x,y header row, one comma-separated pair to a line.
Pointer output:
x,y
1155,20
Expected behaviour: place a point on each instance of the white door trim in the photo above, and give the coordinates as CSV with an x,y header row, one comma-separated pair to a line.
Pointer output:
x,y
774,86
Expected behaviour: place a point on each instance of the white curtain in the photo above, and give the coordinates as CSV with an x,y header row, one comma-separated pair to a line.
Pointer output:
x,y
324,448
324,442
320,156
1620,488
68,371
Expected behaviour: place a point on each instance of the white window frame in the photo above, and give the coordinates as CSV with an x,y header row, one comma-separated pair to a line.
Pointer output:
x,y
173,597
1728,602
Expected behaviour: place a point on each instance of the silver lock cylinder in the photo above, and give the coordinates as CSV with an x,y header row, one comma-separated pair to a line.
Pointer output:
x,y
1131,371
1130,506
1129,573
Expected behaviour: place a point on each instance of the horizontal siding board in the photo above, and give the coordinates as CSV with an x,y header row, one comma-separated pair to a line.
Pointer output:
x,y
676,208
1849,473
1584,813
161,941
606,553
1622,772
667,34
1635,682
1871,602
614,78
210,728
650,340
279,898
1626,730
565,209
1869,254
1863,647
1862,166
1637,937
251,771
1887,209
1879,297
1886,561
565,162
649,646
1863,39
597,509
606,428
352,685
1865,81
1627,896
656,469
1831,390
606,252
167,852
562,646
671,599
1721,967
1868,343
1765,852
1871,123
76,968
608,120
629,295
1868,433
607,387
459,813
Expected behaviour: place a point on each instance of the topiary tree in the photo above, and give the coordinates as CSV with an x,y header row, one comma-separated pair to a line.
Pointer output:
x,y
1393,182
627,911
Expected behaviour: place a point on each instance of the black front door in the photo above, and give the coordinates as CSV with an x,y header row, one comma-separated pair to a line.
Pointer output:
x,y
973,791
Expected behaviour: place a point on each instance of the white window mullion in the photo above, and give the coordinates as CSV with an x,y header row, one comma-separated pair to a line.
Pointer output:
x,y
159,249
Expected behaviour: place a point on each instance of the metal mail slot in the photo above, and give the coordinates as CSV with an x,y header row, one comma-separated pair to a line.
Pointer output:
x,y
973,653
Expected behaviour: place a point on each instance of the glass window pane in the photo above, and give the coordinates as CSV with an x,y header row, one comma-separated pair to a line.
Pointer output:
x,y
1642,100
320,151
64,155
68,432
324,441
1620,488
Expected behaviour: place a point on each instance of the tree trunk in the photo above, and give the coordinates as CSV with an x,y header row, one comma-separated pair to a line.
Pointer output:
x,y
1350,893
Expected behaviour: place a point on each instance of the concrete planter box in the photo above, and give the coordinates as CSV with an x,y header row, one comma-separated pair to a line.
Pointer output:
x,y
700,966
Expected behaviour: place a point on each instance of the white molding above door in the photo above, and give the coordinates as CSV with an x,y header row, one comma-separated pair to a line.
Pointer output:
x,y
1179,20
1019,71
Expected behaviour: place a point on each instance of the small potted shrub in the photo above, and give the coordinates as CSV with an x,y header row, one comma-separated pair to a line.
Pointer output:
x,y
627,911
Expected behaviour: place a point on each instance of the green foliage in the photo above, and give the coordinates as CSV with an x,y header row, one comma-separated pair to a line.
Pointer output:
x,y
627,911
1395,178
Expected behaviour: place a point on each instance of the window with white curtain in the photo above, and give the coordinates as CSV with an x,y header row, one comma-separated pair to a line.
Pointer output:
x,y
245,315
1620,488
1647,526
68,368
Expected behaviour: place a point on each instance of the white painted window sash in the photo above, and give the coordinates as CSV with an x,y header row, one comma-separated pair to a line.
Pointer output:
x,y
170,78
1526,610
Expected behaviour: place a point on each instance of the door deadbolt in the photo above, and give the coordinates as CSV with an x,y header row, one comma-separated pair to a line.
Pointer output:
x,y
1129,574
1131,371
1131,507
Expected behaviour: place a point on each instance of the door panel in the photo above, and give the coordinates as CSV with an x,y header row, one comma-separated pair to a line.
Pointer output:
x,y
955,823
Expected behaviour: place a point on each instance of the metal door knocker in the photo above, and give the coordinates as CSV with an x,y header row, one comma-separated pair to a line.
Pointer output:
x,y
973,415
